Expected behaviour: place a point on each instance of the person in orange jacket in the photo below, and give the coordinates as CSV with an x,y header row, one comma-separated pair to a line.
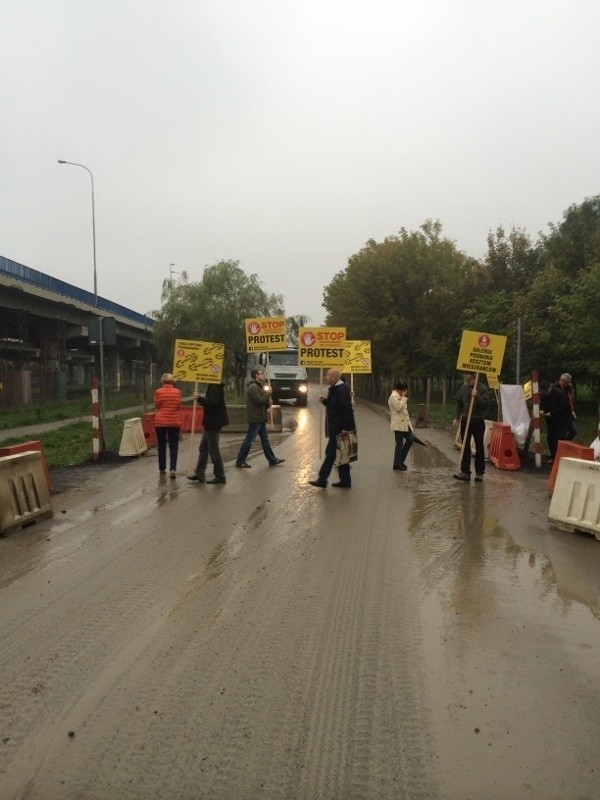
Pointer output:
x,y
167,421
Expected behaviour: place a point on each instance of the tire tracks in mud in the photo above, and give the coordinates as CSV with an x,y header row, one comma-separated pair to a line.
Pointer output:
x,y
277,654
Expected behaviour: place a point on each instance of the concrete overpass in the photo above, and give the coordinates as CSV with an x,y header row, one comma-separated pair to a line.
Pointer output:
x,y
47,342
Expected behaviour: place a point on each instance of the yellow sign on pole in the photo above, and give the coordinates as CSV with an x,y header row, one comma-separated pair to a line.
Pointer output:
x,y
481,352
528,390
199,362
321,347
265,333
357,356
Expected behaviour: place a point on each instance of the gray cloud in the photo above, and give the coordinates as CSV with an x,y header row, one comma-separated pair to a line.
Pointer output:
x,y
285,134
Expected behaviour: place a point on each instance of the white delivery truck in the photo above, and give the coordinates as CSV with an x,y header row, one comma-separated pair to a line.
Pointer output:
x,y
288,380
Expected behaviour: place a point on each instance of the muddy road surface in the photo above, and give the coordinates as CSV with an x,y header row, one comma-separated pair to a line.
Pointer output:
x,y
412,638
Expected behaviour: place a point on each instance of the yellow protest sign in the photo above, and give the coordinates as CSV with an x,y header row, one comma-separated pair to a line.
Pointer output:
x,y
481,352
493,381
321,347
528,390
265,333
357,356
200,362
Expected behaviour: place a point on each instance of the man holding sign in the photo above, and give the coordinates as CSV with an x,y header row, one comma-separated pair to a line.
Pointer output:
x,y
474,393
480,352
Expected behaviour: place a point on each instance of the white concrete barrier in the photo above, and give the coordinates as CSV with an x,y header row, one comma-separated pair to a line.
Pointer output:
x,y
487,438
575,502
133,440
24,495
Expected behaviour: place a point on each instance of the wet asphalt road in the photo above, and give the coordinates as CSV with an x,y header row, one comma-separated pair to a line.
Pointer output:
x,y
412,638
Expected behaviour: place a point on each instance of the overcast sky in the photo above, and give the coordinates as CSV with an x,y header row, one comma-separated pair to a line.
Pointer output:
x,y
283,134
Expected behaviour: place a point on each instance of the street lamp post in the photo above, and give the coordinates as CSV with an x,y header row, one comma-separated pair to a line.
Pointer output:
x,y
173,272
100,330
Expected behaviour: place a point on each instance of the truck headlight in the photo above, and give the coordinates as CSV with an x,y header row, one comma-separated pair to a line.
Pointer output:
x,y
303,389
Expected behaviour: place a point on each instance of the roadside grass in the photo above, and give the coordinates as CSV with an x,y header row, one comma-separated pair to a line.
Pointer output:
x,y
72,445
71,409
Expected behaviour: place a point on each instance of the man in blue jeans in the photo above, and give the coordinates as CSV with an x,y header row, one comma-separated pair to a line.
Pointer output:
x,y
258,400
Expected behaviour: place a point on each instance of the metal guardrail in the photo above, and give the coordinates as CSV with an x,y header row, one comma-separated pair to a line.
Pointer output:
x,y
43,281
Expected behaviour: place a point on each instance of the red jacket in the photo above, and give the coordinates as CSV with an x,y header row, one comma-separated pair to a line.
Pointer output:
x,y
167,402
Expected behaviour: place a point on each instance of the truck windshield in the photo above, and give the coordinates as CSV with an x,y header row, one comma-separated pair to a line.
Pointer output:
x,y
288,359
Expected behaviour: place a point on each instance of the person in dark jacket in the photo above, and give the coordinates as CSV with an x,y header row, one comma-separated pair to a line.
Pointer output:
x,y
258,400
478,394
339,418
215,418
554,407
565,382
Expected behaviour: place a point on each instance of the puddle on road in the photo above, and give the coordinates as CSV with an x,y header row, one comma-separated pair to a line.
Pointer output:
x,y
465,536
509,609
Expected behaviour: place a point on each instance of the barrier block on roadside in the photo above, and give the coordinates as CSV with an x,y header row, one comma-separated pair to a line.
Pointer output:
x,y
133,441
149,429
186,419
24,495
503,449
575,504
24,447
567,449
421,419
487,438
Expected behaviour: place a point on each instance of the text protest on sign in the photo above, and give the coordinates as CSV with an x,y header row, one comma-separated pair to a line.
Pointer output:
x,y
481,352
321,347
357,356
199,362
265,333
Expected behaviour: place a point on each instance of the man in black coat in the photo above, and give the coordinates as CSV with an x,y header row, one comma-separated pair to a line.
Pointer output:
x,y
215,418
554,407
339,418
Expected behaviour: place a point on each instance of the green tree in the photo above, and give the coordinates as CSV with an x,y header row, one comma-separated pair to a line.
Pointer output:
x,y
405,294
558,307
580,349
214,310
542,314
574,244
507,271
293,325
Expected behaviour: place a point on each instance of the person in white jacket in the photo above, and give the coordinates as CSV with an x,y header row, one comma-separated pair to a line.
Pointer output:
x,y
400,424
